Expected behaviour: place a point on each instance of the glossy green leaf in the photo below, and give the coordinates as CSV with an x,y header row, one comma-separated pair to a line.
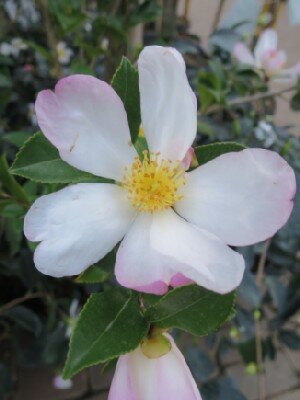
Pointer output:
x,y
39,161
210,151
126,84
110,324
10,184
94,274
16,138
290,338
99,272
191,308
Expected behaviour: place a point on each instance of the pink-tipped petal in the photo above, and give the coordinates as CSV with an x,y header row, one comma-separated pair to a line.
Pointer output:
x,y
168,104
77,226
86,120
188,158
140,378
273,62
267,42
170,248
242,197
243,54
180,280
121,387
158,287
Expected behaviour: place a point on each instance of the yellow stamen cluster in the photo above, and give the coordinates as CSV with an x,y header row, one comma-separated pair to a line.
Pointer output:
x,y
152,184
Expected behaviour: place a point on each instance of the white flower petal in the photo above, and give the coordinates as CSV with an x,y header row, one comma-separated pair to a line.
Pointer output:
x,y
243,54
86,120
242,197
168,104
267,42
167,246
289,75
77,226
140,378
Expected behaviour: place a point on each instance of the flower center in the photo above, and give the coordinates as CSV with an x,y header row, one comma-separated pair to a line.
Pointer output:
x,y
153,184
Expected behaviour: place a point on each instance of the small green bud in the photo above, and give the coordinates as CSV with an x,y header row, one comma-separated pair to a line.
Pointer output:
x,y
251,369
256,315
156,346
234,333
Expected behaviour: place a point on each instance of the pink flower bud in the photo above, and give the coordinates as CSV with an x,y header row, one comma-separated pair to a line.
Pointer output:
x,y
138,377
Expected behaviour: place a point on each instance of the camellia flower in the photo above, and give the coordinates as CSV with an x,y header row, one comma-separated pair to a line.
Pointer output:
x,y
267,57
175,225
138,377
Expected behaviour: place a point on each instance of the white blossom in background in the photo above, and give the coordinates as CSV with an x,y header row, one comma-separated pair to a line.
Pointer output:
x,y
62,384
105,43
267,57
64,53
73,314
265,132
13,48
175,227
88,26
24,12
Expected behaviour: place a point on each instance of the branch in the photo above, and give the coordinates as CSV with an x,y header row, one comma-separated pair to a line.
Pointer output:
x,y
257,327
261,264
51,38
19,300
218,15
281,393
251,98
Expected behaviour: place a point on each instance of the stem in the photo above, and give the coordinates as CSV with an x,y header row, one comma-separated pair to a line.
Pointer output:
x,y
19,300
251,98
51,38
169,19
290,359
261,264
257,327
187,7
218,15
280,393
259,361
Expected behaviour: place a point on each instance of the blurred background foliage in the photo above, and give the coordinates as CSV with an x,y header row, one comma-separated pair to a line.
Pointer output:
x,y
44,40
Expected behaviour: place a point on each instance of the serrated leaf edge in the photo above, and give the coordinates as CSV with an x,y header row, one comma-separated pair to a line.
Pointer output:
x,y
67,375
228,317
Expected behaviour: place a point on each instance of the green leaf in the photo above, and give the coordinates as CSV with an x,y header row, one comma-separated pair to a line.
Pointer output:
x,y
191,308
39,161
110,324
16,138
290,338
11,210
126,84
10,184
14,234
25,318
94,274
99,272
210,151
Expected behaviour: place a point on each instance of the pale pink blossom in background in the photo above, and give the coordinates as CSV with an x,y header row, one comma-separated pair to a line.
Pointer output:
x,y
175,227
267,57
140,378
